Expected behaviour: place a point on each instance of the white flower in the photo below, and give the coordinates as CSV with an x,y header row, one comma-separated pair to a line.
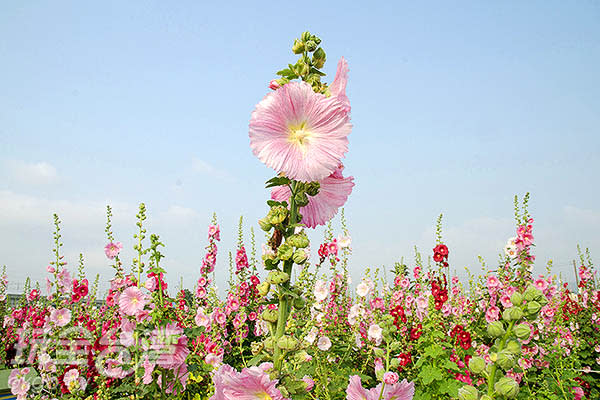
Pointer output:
x,y
344,241
510,250
311,336
375,333
321,290
364,287
324,343
354,313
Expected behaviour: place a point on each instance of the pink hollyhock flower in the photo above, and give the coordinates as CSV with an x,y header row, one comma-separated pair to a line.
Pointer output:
x,y
390,378
299,132
113,249
541,284
274,85
338,86
399,391
214,232
310,383
131,301
60,317
148,369
493,283
324,343
333,193
201,318
250,384
578,393
492,314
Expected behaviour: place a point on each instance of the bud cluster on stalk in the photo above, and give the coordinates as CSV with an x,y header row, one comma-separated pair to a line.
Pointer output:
x,y
508,334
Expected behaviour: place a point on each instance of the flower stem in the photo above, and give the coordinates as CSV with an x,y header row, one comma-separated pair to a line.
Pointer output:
x,y
492,377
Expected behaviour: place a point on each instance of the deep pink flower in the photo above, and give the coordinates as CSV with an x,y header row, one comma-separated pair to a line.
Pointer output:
x,y
333,193
131,301
299,132
113,249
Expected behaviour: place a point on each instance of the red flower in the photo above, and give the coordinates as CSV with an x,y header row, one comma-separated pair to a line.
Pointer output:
x,y
404,359
437,257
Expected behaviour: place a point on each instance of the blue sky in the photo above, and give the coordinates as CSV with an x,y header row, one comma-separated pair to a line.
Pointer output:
x,y
456,108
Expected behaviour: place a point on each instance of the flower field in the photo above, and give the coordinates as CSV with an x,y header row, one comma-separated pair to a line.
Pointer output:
x,y
292,324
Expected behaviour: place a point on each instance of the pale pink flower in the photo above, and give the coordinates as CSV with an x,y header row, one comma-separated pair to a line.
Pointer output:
x,y
50,269
338,86
299,132
324,343
333,193
60,317
148,369
390,378
399,391
113,249
252,383
493,283
310,383
274,85
131,301
375,333
201,318
492,314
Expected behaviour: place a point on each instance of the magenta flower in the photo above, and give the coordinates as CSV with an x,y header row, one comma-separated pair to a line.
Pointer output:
x,y
131,301
299,132
333,193
398,391
113,249
250,384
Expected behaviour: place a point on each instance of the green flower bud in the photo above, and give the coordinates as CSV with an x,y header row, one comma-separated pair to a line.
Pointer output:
x,y
516,299
468,393
493,357
512,314
287,342
506,360
394,363
513,347
301,198
277,277
300,256
319,58
311,45
285,252
301,356
256,347
298,240
496,329
379,374
264,224
533,307
476,365
263,288
299,303
312,189
522,331
305,36
269,343
485,397
270,316
298,47
379,352
507,387
277,215
531,293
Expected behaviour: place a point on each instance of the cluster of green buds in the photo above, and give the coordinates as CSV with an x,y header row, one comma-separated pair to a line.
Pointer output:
x,y
288,246
508,335
312,59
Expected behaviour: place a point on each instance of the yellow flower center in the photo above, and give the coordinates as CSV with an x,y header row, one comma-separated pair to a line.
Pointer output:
x,y
299,135
266,397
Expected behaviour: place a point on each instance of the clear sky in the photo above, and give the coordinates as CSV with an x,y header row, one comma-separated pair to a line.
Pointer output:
x,y
456,108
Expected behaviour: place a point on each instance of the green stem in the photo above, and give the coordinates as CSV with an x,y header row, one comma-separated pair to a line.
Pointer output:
x,y
284,306
492,377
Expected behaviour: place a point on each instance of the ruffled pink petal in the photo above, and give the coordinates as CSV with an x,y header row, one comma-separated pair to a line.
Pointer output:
x,y
355,391
399,391
333,194
326,118
338,86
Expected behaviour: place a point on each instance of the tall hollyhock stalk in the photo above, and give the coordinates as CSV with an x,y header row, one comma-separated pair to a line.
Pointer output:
x,y
300,130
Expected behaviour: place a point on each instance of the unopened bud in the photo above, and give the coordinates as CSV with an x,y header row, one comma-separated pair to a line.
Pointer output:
x,y
270,316
277,215
311,45
298,47
287,342
533,307
506,360
496,329
513,347
507,387
300,256
468,393
263,288
516,299
476,365
264,224
522,331
285,252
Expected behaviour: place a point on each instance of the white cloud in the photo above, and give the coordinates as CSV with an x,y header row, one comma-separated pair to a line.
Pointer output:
x,y
37,173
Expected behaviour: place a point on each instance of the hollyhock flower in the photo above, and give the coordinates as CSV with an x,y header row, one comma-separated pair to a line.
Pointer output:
x,y
324,343
364,287
131,301
375,333
214,232
60,317
492,314
344,241
201,318
250,384
333,193
274,85
493,283
310,383
390,378
321,291
299,132
113,249
541,284
399,391
338,86
511,251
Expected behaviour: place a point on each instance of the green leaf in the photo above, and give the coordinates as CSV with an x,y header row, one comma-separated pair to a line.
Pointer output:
x,y
434,351
450,387
429,373
277,181
450,365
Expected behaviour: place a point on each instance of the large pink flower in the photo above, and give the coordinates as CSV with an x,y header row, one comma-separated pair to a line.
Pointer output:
x,y
250,384
299,132
132,301
333,193
398,391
